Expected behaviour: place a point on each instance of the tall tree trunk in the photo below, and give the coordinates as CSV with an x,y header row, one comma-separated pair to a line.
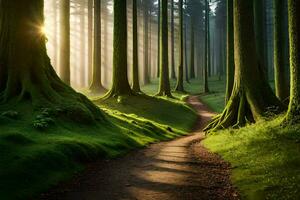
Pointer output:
x,y
281,86
185,52
55,44
135,59
294,33
207,48
64,55
96,85
82,45
146,77
230,51
90,39
259,35
179,86
26,73
252,96
173,74
192,50
120,84
158,38
164,83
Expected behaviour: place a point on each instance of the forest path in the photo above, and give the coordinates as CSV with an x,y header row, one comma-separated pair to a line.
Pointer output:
x,y
175,170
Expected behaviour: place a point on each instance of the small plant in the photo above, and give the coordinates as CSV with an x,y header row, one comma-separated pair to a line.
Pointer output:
x,y
10,114
43,120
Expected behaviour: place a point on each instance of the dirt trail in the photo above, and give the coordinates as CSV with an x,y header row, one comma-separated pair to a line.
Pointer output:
x,y
176,170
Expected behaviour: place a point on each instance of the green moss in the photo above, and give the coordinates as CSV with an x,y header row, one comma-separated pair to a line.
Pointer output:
x,y
265,159
34,159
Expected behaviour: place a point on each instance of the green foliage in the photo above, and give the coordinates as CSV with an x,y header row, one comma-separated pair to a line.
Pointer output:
x,y
265,158
10,114
31,162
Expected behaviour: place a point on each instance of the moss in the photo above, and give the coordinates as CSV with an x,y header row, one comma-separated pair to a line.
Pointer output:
x,y
264,157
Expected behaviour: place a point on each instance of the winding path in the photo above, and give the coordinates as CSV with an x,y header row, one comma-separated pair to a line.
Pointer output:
x,y
177,170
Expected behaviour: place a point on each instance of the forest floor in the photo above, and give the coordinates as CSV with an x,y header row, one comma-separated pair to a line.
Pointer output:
x,y
179,169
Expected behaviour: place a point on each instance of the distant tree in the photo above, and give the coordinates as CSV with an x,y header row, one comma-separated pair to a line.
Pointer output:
x,y
164,83
135,59
64,55
207,48
96,85
179,86
252,96
192,46
230,51
146,76
90,39
260,35
120,84
173,74
294,33
185,45
26,72
281,85
158,37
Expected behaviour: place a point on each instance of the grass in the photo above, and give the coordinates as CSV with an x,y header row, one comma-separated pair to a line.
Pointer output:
x,y
265,156
265,159
32,160
214,100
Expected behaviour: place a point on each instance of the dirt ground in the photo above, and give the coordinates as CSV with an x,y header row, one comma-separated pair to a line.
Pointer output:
x,y
181,169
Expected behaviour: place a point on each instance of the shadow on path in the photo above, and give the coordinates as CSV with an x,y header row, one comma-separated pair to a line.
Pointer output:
x,y
176,170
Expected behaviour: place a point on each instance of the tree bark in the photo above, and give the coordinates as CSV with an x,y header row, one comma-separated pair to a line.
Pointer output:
x,y
90,39
192,56
252,96
294,33
207,48
64,54
179,86
96,85
135,59
120,84
230,51
164,83
146,77
259,35
281,86
26,73
173,74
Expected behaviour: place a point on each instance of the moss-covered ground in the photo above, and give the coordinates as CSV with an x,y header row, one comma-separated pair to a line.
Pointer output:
x,y
265,156
34,157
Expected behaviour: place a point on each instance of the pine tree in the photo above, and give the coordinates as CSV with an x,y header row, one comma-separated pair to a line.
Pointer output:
x,y
252,96
164,83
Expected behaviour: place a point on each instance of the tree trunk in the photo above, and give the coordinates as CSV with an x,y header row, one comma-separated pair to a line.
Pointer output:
x,y
135,60
192,56
158,38
64,54
96,85
252,96
259,35
179,86
230,51
294,33
90,40
173,75
120,84
207,48
185,52
26,73
281,86
146,77
82,45
164,83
